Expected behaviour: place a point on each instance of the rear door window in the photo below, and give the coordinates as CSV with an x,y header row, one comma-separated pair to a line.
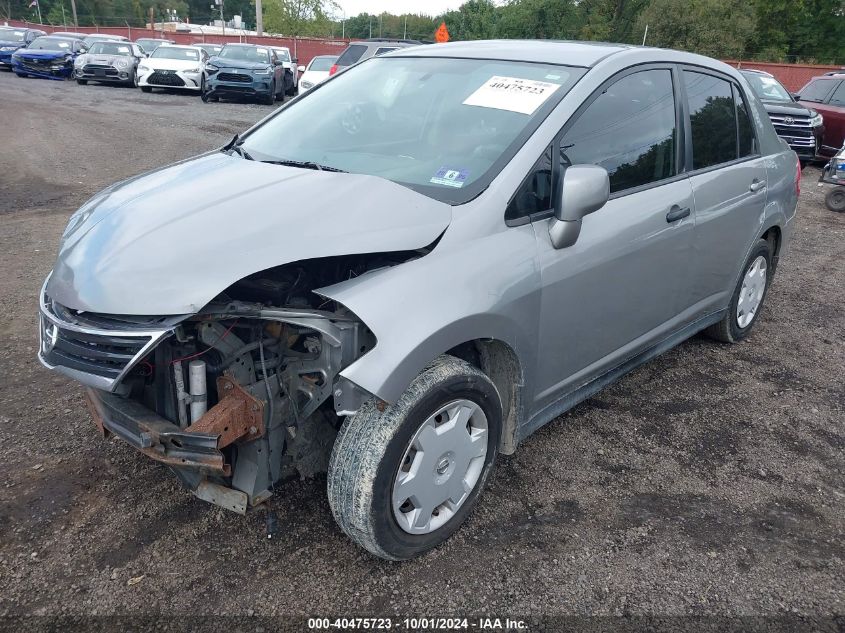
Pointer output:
x,y
384,49
838,97
745,129
351,55
818,90
712,119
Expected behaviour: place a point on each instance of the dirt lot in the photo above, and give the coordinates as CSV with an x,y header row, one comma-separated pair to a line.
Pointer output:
x,y
710,481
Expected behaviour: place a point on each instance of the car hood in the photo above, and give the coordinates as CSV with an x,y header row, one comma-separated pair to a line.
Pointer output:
x,y
784,107
226,64
171,64
314,76
26,53
110,60
169,241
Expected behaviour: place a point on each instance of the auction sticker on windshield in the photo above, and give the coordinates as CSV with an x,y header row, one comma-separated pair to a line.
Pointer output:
x,y
512,93
450,177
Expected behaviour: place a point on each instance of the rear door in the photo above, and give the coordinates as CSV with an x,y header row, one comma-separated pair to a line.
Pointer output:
x,y
728,177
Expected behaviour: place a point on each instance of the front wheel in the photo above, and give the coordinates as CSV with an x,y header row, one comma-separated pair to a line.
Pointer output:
x,y
269,98
404,477
82,82
146,89
835,199
747,300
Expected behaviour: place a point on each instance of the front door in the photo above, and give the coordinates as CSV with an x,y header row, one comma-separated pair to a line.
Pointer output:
x,y
624,283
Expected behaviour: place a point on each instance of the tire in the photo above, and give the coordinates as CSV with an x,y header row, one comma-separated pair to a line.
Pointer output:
x,y
146,89
22,75
835,199
733,327
270,98
372,446
134,82
82,82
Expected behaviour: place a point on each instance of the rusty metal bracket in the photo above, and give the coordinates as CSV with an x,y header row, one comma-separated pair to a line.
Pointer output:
x,y
238,415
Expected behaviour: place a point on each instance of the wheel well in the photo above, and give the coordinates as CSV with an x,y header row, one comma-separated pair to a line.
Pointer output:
x,y
501,364
773,237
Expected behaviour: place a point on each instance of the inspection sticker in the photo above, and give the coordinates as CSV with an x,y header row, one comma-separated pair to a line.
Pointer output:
x,y
450,177
512,93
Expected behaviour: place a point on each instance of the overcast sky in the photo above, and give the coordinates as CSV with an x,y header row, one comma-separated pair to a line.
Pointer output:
x,y
397,7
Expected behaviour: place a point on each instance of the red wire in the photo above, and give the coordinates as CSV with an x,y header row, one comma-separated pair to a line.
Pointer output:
x,y
222,336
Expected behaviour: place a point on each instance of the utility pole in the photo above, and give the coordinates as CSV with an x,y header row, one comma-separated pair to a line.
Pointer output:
x,y
405,33
371,27
38,6
64,20
259,19
73,8
379,24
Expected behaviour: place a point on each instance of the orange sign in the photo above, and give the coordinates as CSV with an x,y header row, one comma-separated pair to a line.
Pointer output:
x,y
442,34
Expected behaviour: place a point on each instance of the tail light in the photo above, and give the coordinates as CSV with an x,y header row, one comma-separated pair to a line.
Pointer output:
x,y
798,179
332,70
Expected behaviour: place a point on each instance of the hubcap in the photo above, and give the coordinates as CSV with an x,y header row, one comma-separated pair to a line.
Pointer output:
x,y
440,467
751,293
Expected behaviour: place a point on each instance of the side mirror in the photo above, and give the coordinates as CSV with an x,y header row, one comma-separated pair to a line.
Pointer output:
x,y
294,59
796,96
581,190
300,69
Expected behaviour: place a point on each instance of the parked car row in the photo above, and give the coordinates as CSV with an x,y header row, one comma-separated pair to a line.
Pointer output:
x,y
812,120
266,73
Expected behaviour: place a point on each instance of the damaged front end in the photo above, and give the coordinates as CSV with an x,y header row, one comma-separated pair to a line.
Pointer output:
x,y
235,397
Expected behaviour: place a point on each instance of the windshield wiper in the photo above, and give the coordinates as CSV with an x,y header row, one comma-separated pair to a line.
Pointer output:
x,y
235,146
304,164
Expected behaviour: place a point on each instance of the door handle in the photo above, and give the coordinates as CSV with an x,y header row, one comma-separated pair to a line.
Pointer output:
x,y
677,213
756,186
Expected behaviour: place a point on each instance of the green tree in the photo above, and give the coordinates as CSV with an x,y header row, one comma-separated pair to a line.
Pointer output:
x,y
718,28
299,17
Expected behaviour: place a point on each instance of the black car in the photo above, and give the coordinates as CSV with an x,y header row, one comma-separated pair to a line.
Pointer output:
x,y
802,128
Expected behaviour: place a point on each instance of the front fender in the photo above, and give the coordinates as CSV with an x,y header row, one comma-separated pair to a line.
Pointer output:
x,y
487,288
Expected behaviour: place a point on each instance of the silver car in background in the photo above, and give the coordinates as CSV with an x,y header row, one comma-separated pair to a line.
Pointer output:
x,y
109,62
416,265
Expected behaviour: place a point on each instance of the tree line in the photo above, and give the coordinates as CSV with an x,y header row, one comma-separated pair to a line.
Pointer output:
x,y
809,31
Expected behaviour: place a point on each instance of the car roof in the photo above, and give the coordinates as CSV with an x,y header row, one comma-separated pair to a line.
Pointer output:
x,y
754,71
179,46
549,51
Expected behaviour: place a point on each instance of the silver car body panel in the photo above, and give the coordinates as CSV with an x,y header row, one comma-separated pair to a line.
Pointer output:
x,y
238,217
631,286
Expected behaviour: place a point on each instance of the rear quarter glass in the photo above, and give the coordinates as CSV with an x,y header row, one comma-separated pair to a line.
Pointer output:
x,y
351,55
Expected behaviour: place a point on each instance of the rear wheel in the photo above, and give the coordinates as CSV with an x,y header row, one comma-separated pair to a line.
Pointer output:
x,y
404,478
747,300
835,199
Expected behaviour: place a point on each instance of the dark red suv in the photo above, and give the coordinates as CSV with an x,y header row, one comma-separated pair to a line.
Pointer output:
x,y
826,94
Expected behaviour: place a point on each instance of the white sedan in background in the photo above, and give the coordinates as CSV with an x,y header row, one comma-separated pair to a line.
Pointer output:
x,y
173,66
316,72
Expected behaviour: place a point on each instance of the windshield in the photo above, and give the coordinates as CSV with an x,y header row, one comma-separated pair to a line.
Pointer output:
x,y
51,44
110,48
767,88
169,52
245,54
282,54
440,126
322,64
8,35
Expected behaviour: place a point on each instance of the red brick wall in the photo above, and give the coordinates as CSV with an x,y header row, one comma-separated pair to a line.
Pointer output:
x,y
302,48
793,76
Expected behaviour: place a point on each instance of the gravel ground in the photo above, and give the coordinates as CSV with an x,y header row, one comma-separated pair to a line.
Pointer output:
x,y
709,481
